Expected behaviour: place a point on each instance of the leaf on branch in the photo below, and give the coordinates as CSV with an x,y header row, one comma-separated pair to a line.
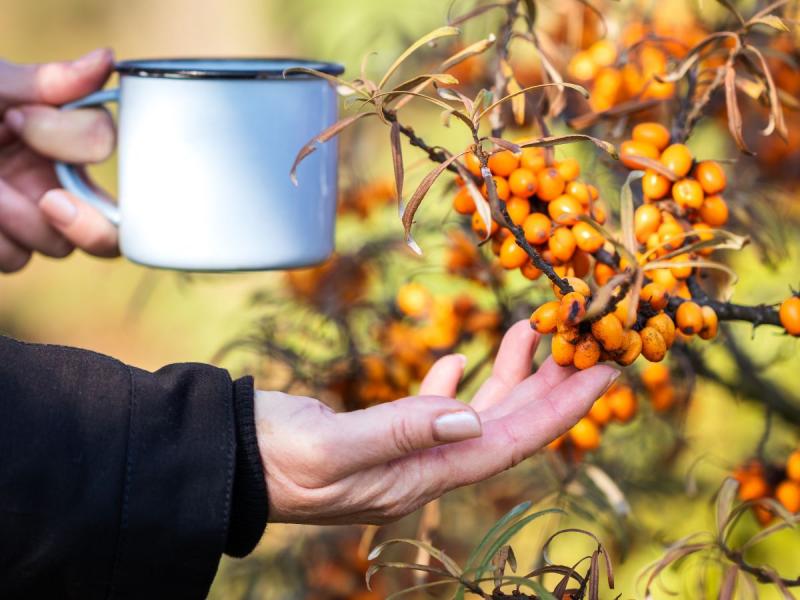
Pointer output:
x,y
602,297
419,194
557,140
734,114
473,49
447,562
728,588
336,81
725,292
425,39
720,240
505,144
573,86
633,298
397,163
513,88
475,12
323,137
733,10
725,499
775,108
773,21
618,246
626,212
373,569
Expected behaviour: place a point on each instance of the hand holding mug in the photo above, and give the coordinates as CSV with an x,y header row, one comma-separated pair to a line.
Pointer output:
x,y
36,216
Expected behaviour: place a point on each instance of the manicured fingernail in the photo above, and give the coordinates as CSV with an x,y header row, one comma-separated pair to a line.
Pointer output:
x,y
456,426
15,119
90,60
57,205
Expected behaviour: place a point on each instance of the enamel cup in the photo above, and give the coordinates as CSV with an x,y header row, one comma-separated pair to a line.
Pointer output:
x,y
205,148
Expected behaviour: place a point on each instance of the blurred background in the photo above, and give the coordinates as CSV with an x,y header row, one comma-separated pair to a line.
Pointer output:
x,y
150,318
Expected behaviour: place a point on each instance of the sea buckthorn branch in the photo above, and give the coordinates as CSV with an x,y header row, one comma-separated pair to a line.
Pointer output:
x,y
501,79
761,574
760,314
434,153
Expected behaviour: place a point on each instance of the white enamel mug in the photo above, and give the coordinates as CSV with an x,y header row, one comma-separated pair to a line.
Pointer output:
x,y
205,148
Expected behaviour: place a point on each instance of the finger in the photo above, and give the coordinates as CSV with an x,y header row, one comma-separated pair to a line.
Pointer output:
x,y
443,377
77,136
536,386
81,224
22,221
12,256
506,442
54,83
512,365
393,430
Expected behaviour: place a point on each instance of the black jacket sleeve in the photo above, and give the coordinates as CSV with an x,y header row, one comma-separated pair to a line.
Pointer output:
x,y
119,483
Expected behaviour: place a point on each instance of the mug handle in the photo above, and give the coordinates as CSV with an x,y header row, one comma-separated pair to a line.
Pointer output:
x,y
73,180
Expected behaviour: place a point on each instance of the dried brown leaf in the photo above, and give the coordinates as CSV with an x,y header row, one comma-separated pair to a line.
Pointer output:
x,y
734,114
436,34
397,163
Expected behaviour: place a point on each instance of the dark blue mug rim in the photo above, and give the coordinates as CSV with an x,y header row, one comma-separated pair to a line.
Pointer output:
x,y
224,68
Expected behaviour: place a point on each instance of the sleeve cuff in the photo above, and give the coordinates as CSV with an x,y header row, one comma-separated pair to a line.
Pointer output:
x,y
249,507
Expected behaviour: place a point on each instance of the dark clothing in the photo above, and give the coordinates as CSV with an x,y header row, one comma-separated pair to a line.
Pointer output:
x,y
119,483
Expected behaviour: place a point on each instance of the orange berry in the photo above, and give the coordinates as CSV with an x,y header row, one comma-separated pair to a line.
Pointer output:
x,y
537,228
654,348
572,308
600,412
501,185
664,324
603,273
569,332
630,150
789,314
598,212
463,202
562,349
788,494
577,284
609,332
581,66
652,133
498,238
479,227
594,193
581,264
503,163
569,169
753,487
545,318
530,271
518,209
512,256
473,164
678,159
655,375
631,348
671,234
688,193
655,295
413,299
532,159
689,318
579,191
662,398
714,211
522,182
562,244
585,434
550,184
646,221
655,186
587,352
565,210
622,401
793,466
681,272
587,238
603,52
710,323
711,176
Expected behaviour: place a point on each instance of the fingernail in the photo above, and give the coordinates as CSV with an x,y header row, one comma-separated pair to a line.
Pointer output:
x,y
90,60
57,205
456,426
611,379
15,119
463,359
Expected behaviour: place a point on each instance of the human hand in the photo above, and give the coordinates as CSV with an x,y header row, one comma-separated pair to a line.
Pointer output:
x,y
35,216
381,463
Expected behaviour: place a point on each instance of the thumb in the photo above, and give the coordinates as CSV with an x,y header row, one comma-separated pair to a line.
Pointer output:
x,y
80,223
56,82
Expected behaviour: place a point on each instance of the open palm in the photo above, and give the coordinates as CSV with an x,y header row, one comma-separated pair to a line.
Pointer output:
x,y
380,463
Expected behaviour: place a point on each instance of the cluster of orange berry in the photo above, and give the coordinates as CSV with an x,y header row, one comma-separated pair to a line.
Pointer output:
x,y
789,314
617,404
757,481
362,199
657,381
545,201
